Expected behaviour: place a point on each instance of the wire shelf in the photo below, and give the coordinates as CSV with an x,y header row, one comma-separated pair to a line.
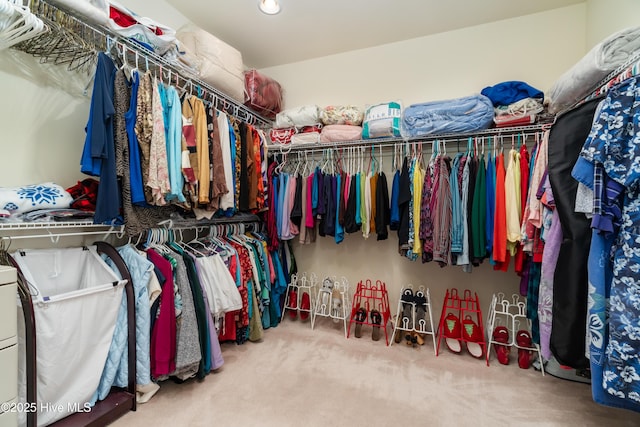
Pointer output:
x,y
39,225
495,132
90,38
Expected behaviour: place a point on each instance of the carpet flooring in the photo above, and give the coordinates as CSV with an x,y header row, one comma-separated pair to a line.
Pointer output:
x,y
298,376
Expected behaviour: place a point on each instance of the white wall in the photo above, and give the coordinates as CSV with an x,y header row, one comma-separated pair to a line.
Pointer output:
x,y
44,114
43,127
605,17
535,48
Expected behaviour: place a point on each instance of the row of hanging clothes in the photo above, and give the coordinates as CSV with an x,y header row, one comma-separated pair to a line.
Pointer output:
x,y
467,207
344,192
223,286
455,210
158,148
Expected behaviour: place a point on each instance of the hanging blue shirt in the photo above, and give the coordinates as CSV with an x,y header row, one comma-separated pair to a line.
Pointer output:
x,y
98,155
358,204
395,209
339,236
457,219
232,143
135,168
173,132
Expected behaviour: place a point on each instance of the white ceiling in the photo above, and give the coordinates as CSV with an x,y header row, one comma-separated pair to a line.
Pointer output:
x,y
306,29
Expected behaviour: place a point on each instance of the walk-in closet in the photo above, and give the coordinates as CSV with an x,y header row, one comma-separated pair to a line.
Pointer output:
x,y
276,213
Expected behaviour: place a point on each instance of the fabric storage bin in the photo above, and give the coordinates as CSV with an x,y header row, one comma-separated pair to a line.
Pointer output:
x,y
307,115
215,62
76,297
342,115
264,93
336,133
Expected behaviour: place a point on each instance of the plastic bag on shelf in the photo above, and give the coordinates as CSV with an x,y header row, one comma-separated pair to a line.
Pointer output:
x,y
382,120
265,94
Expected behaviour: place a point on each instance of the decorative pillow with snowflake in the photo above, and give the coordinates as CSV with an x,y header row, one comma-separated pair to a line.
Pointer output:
x,y
39,196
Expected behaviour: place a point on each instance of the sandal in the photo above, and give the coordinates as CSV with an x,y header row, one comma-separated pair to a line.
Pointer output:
x,y
360,317
293,304
452,333
305,306
523,339
376,319
407,298
336,305
421,311
473,337
501,335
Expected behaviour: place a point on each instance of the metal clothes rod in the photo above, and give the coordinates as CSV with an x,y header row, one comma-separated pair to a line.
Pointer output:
x,y
86,37
500,133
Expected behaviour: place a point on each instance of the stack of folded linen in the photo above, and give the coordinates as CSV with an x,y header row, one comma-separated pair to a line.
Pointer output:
x,y
341,123
515,103
297,125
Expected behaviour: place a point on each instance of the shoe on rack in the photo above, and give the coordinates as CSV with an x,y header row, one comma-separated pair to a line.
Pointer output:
x,y
418,338
293,304
501,335
360,317
327,287
336,305
473,337
421,311
305,306
397,336
452,333
523,339
406,318
376,319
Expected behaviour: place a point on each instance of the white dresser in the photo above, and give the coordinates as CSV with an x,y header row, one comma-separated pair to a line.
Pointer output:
x,y
8,347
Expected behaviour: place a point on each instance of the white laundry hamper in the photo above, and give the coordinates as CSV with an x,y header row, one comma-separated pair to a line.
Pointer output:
x,y
76,297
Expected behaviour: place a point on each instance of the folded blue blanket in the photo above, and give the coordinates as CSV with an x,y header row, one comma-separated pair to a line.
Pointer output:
x,y
468,114
506,93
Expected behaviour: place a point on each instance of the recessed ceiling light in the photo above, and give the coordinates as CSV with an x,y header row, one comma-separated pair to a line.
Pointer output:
x,y
270,7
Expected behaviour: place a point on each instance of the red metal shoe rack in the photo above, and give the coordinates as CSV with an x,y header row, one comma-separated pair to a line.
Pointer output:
x,y
466,306
371,296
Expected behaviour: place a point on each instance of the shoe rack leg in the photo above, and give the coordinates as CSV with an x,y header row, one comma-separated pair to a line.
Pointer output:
x,y
433,328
